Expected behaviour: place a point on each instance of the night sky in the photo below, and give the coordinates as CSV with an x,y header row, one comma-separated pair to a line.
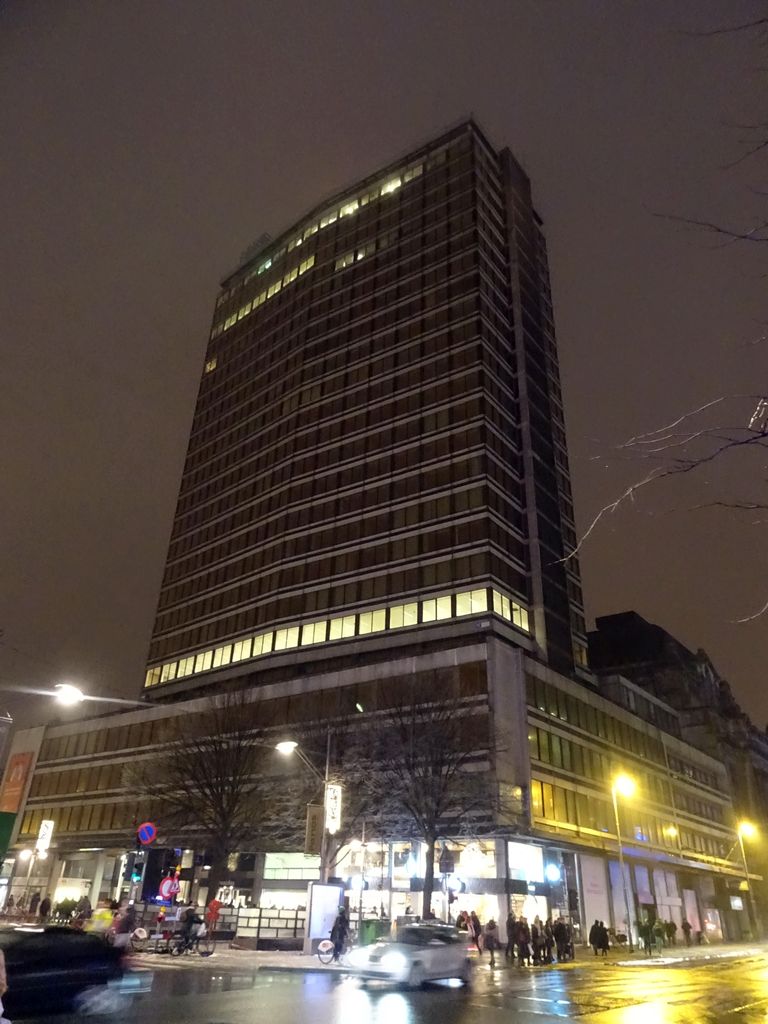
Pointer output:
x,y
145,145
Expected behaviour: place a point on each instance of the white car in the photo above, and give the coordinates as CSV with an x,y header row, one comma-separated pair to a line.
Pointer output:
x,y
418,953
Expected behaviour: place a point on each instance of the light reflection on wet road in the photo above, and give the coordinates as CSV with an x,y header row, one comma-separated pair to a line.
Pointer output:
x,y
724,992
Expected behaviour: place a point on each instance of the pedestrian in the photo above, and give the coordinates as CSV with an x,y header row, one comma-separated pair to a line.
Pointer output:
x,y
509,952
45,908
603,941
671,933
560,933
594,937
687,929
339,933
476,931
549,941
523,942
34,903
10,903
123,926
491,940
658,934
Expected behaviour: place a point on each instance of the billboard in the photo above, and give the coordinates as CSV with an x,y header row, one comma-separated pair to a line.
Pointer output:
x,y
15,781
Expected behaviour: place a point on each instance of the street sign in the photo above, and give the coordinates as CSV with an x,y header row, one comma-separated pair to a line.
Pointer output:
x,y
44,836
333,808
168,888
313,836
146,833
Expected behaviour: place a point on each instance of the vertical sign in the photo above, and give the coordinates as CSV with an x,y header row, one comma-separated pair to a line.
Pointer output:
x,y
44,836
333,808
313,837
15,780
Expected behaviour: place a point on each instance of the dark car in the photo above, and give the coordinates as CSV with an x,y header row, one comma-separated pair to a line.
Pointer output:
x,y
51,970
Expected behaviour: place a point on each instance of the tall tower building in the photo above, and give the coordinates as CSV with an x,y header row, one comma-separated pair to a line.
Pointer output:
x,y
377,460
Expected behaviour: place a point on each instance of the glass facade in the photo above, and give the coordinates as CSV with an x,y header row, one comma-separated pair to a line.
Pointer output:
x,y
378,426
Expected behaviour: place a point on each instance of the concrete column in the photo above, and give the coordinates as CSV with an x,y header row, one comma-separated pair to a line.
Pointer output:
x,y
258,877
98,878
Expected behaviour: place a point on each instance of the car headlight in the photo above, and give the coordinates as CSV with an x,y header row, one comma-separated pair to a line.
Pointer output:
x,y
394,962
357,958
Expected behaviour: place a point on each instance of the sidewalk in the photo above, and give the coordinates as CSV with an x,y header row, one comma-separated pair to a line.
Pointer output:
x,y
281,961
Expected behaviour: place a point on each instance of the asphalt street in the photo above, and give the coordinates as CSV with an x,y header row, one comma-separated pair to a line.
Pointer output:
x,y
724,992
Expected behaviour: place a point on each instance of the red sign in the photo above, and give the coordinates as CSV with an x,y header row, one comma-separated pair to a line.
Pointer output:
x,y
168,888
15,780
146,833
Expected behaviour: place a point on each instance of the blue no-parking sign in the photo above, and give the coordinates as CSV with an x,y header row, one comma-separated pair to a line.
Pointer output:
x,y
147,833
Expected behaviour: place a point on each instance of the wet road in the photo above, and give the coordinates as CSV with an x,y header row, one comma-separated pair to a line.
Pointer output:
x,y
724,992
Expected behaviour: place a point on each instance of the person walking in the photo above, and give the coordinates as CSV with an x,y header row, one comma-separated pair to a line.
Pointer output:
x,y
687,929
549,941
491,940
476,930
594,937
509,952
34,903
45,909
603,939
560,933
339,934
523,942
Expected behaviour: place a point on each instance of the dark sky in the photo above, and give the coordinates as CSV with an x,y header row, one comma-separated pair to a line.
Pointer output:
x,y
145,145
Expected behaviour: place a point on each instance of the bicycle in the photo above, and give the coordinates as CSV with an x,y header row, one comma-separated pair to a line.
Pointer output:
x,y
326,949
201,943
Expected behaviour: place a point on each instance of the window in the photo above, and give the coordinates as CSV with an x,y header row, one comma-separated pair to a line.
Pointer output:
x,y
373,622
329,218
403,615
413,172
203,661
344,261
262,644
186,667
169,672
286,638
291,276
436,608
222,656
152,677
390,186
242,649
314,633
343,627
471,601
349,208
274,289
306,265
210,365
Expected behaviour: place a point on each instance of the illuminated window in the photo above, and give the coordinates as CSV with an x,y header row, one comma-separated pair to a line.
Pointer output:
x,y
242,649
169,672
580,655
369,197
311,230
229,321
501,605
305,266
390,186
262,644
285,638
345,211
343,627
186,667
274,289
291,276
403,615
210,365
265,266
471,601
329,218
222,656
203,661
435,608
366,250
262,297
413,172
314,633
244,311
520,617
373,622
152,677
344,261
293,243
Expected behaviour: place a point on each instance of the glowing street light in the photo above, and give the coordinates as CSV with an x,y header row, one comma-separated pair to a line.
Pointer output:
x,y
623,785
68,694
286,747
746,830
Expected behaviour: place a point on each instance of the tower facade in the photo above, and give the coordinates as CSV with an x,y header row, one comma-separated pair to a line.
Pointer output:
x,y
378,454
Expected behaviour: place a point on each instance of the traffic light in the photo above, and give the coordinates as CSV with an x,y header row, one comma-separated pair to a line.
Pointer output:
x,y
137,868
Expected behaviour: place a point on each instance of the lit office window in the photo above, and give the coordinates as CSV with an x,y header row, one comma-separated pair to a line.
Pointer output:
x,y
329,218
262,644
203,661
344,261
307,264
274,289
152,677
211,365
222,656
390,186
291,276
342,627
242,649
186,667
436,608
314,633
403,615
168,672
349,208
286,638
471,601
413,172
373,622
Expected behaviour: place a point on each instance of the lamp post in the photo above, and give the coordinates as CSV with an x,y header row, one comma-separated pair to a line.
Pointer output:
x,y
746,830
624,786
331,796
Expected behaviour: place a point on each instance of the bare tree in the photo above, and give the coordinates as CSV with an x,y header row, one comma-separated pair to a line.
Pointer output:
x,y
210,784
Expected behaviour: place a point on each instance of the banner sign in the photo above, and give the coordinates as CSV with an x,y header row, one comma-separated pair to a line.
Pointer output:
x,y
15,780
333,808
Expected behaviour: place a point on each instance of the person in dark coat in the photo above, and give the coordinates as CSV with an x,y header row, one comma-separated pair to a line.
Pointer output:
x,y
687,929
560,932
509,952
45,909
594,937
603,940
476,930
491,940
339,933
523,942
34,903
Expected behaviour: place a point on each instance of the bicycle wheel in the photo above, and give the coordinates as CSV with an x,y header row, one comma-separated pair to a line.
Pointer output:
x,y
325,951
176,946
206,946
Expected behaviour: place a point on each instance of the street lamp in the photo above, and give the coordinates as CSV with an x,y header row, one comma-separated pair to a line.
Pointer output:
x,y
624,786
331,795
746,830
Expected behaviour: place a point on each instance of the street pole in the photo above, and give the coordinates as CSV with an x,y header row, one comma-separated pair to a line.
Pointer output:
x,y
621,868
750,898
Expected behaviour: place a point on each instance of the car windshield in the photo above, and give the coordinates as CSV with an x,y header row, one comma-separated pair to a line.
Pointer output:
x,y
420,936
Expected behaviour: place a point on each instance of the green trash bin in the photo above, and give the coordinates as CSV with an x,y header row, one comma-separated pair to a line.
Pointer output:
x,y
372,929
